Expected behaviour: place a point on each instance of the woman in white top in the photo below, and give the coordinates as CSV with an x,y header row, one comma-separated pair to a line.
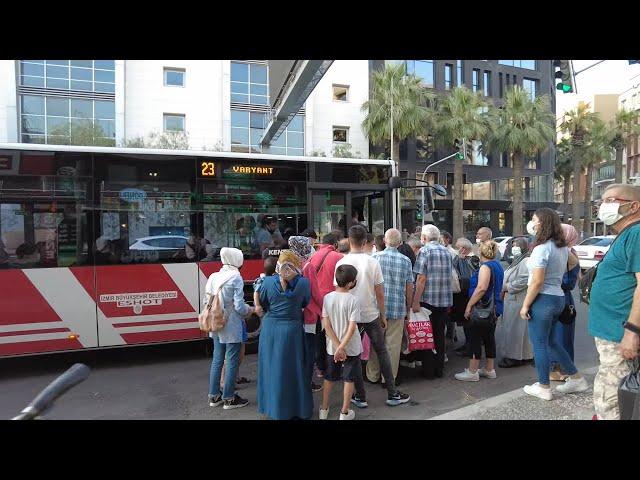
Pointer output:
x,y
545,301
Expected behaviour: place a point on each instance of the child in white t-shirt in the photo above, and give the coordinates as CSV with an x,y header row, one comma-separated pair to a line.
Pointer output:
x,y
340,314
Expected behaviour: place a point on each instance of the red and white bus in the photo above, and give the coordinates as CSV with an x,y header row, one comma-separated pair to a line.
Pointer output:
x,y
105,247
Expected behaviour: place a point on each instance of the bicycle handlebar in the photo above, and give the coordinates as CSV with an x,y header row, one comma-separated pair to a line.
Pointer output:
x,y
76,374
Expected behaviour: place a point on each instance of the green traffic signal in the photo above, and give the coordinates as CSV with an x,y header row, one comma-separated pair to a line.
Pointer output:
x,y
460,156
564,87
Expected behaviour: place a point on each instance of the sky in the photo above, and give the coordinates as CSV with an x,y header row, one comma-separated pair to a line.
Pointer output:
x,y
610,76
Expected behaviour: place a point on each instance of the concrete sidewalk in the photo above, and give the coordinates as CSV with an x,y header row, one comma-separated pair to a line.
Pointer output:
x,y
517,405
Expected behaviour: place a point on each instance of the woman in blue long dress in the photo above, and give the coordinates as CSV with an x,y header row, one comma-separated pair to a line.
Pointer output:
x,y
284,391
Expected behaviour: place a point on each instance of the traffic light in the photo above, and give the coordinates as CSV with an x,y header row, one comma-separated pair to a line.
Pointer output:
x,y
462,149
564,73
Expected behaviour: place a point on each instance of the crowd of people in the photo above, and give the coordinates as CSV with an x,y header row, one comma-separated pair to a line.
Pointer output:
x,y
318,306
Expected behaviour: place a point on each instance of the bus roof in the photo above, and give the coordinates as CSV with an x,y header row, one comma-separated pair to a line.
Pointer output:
x,y
191,153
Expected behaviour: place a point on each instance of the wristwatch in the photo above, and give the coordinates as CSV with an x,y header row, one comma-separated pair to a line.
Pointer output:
x,y
632,328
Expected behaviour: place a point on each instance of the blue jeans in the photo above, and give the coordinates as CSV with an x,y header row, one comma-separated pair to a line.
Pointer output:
x,y
543,326
229,353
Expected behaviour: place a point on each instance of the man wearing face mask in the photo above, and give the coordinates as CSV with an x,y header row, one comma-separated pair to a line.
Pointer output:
x,y
485,234
616,324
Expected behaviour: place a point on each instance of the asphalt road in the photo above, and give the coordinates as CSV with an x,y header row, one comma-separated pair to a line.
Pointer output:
x,y
171,382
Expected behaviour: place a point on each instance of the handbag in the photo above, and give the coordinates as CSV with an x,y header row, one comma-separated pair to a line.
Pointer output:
x,y
212,318
483,313
629,394
586,282
420,331
568,315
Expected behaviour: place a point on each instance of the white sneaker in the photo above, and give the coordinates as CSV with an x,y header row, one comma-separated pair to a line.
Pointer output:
x,y
324,414
537,391
467,376
418,363
487,373
573,385
349,416
446,359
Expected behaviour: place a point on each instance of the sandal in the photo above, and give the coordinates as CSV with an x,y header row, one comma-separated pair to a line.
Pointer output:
x,y
557,377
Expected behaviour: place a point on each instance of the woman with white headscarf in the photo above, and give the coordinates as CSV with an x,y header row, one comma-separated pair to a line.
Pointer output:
x,y
284,389
227,342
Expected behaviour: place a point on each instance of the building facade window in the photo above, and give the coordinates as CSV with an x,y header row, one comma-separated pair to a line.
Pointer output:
x,y
340,93
448,76
530,86
247,129
475,80
249,83
341,134
79,75
63,121
459,73
486,83
529,64
174,122
174,77
422,69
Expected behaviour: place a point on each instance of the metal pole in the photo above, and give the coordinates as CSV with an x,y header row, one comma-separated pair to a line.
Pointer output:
x,y
395,203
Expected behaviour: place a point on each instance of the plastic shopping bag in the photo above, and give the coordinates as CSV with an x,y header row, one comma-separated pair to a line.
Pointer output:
x,y
366,346
420,331
629,394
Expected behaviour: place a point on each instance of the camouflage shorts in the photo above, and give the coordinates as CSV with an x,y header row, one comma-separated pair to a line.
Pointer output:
x,y
613,368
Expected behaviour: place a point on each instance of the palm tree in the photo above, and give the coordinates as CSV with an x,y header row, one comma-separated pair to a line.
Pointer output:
x,y
576,123
598,147
394,93
461,115
563,171
624,126
521,127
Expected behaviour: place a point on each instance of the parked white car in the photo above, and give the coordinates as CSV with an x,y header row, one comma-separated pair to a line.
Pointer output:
x,y
502,244
160,242
593,249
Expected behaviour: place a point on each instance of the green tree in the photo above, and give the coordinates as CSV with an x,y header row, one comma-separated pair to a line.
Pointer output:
x,y
460,115
168,140
576,124
625,125
562,172
522,127
598,147
393,88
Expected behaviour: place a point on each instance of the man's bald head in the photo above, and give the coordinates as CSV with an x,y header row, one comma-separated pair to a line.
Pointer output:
x,y
484,234
622,190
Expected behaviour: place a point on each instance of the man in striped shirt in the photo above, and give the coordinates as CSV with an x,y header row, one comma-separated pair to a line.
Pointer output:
x,y
433,292
398,290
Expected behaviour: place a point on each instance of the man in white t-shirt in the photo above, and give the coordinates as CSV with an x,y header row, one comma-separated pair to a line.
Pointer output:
x,y
369,291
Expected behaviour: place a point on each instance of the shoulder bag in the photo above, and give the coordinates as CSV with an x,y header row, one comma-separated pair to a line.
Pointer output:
x,y
483,313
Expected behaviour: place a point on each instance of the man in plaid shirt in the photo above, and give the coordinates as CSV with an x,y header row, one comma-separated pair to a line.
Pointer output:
x,y
433,292
398,291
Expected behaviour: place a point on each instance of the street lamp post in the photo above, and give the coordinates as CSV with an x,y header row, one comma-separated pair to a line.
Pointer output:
x,y
423,175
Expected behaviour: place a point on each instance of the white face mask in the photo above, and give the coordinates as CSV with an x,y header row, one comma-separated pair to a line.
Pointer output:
x,y
478,241
531,228
608,213
517,251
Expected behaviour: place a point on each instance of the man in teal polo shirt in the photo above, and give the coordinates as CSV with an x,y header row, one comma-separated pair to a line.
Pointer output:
x,y
614,307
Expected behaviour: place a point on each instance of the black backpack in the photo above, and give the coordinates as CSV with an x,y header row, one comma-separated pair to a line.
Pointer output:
x,y
586,282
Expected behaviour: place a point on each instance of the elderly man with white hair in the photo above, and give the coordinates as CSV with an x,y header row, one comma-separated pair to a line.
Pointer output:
x,y
398,287
435,293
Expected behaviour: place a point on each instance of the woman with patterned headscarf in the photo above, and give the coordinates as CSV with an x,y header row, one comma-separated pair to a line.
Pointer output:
x,y
303,247
284,391
565,333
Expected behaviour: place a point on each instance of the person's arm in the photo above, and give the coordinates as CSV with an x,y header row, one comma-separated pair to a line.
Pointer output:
x,y
537,281
239,306
631,341
379,289
331,334
421,281
520,278
309,272
484,278
408,290
350,332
